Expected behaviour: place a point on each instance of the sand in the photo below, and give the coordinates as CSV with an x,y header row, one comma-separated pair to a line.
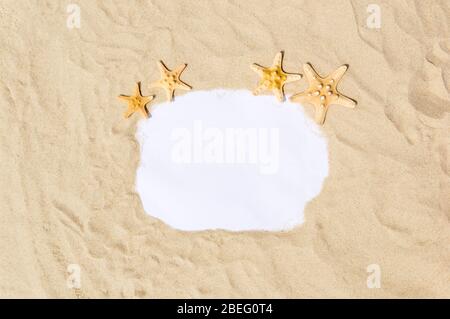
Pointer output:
x,y
69,159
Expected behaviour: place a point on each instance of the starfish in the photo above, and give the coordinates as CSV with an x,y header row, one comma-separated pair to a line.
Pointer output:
x,y
136,102
322,91
170,80
274,78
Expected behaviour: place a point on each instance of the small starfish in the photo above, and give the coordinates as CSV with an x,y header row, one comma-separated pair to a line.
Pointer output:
x,y
136,102
322,91
170,80
274,78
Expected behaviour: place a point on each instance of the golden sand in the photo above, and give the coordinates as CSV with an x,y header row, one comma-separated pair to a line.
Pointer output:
x,y
69,159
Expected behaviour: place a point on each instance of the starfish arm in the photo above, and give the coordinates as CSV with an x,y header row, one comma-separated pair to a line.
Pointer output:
x,y
259,88
279,93
124,97
321,113
278,60
338,73
170,94
292,77
183,86
299,97
137,89
180,69
345,101
257,68
156,84
310,73
162,67
144,111
128,112
146,99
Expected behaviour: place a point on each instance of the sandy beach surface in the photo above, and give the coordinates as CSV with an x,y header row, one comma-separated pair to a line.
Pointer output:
x,y
68,158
